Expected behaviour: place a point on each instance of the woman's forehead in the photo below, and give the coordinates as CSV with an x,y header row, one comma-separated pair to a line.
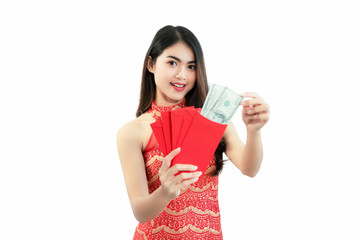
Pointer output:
x,y
179,50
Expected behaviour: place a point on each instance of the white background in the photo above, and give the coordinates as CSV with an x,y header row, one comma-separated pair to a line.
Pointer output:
x,y
70,77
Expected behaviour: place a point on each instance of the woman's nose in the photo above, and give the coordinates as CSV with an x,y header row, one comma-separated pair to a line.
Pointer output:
x,y
181,75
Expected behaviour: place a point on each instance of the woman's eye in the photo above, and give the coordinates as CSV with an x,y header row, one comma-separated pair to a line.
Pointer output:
x,y
172,63
192,67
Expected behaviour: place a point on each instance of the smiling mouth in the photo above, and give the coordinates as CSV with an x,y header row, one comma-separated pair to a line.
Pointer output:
x,y
178,85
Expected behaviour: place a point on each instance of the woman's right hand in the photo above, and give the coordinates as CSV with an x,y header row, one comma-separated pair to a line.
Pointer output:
x,y
171,185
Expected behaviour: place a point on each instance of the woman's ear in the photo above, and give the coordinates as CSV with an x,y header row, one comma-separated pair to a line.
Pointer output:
x,y
150,65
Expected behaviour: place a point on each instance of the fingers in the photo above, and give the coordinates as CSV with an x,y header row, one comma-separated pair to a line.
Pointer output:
x,y
171,180
252,102
262,118
167,160
171,172
165,171
259,116
172,185
173,153
255,105
185,176
249,94
181,167
184,184
181,181
255,110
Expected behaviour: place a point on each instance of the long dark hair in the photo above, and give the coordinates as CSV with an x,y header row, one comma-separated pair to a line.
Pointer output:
x,y
164,38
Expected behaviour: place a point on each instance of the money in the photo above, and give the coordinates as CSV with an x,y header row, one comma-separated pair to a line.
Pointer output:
x,y
213,95
220,104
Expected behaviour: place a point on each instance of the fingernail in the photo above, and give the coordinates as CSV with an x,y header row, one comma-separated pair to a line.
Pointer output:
x,y
194,168
198,174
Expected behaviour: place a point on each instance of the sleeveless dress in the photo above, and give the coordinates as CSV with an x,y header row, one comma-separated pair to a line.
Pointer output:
x,y
195,213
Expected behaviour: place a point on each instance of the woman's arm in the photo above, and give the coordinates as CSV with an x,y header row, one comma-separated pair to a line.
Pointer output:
x,y
144,206
147,206
248,157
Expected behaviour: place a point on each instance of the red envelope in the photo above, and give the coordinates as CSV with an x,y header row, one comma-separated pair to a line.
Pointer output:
x,y
177,120
166,123
188,118
197,136
200,143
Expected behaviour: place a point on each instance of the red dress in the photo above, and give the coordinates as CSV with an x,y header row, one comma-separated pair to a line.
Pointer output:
x,y
194,214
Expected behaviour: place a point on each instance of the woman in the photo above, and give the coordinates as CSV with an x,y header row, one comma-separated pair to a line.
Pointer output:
x,y
166,204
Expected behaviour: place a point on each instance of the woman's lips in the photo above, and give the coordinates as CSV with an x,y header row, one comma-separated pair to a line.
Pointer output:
x,y
178,86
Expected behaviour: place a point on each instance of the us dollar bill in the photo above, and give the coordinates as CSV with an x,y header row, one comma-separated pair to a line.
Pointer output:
x,y
222,103
211,98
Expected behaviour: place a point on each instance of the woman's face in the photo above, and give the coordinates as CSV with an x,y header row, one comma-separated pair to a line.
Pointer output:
x,y
175,74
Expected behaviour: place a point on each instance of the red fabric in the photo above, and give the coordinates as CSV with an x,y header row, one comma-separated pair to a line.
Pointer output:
x,y
195,213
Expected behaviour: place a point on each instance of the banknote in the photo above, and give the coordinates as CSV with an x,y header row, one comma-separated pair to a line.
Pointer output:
x,y
211,98
221,103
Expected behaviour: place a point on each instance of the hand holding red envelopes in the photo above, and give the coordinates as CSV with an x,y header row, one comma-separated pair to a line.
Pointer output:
x,y
198,134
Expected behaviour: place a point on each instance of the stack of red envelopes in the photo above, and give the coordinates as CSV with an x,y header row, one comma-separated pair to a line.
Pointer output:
x,y
197,136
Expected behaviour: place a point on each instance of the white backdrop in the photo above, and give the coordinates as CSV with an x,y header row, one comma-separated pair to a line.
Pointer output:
x,y
70,78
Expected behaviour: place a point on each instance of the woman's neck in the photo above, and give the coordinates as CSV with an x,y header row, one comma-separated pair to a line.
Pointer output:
x,y
167,103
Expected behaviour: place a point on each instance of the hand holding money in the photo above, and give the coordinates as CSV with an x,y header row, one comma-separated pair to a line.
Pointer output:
x,y
255,112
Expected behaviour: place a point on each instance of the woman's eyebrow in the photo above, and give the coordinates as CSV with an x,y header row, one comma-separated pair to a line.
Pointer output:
x,y
178,59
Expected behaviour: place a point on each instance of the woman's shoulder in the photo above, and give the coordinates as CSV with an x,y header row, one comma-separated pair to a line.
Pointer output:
x,y
135,129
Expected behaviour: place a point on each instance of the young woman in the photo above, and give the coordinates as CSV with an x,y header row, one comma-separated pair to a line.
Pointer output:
x,y
166,204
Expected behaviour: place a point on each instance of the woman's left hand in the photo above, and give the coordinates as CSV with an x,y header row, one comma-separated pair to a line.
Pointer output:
x,y
255,113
